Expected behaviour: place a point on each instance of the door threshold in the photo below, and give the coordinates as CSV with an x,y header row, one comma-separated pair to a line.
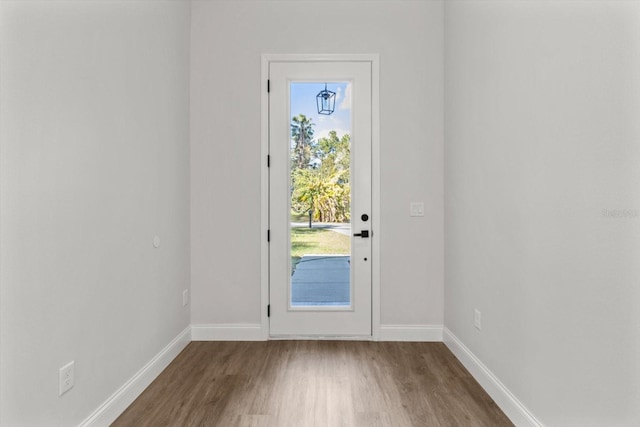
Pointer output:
x,y
320,338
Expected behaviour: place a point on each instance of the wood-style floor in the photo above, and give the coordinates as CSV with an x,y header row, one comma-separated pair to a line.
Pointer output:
x,y
314,383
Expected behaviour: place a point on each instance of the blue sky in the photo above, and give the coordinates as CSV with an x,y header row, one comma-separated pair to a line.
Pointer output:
x,y
303,101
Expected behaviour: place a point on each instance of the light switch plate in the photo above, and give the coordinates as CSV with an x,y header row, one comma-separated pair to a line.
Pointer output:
x,y
416,209
185,297
66,378
477,319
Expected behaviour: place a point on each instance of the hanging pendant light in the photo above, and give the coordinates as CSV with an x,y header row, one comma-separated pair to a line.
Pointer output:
x,y
326,101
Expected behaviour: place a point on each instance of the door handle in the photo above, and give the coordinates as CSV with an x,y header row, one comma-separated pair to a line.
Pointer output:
x,y
364,234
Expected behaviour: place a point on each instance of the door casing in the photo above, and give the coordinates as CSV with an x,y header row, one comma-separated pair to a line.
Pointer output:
x,y
375,181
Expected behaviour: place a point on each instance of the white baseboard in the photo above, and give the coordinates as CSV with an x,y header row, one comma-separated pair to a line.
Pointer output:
x,y
228,332
510,405
255,332
417,333
115,405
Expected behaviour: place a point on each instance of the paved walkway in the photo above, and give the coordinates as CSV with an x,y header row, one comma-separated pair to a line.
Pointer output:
x,y
321,280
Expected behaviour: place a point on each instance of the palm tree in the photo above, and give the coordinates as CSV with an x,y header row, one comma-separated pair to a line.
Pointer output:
x,y
324,192
302,135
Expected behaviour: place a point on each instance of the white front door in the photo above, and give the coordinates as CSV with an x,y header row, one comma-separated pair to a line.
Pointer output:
x,y
320,135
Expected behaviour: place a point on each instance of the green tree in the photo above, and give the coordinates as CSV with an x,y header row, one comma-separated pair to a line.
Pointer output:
x,y
302,136
324,191
335,153
324,186
320,172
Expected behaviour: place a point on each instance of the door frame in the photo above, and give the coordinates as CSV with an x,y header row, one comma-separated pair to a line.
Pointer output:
x,y
374,59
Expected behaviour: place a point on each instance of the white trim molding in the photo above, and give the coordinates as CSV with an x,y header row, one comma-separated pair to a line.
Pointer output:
x,y
228,332
416,333
510,405
264,196
375,195
116,404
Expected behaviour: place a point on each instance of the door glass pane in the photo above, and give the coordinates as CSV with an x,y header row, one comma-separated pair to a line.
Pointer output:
x,y
320,194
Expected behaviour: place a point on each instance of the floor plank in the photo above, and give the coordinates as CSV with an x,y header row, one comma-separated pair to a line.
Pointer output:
x,y
314,383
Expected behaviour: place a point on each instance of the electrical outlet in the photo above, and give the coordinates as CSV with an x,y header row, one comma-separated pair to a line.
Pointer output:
x,y
185,297
416,209
66,378
477,319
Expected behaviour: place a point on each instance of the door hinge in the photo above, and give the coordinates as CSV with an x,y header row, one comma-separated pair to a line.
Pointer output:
x,y
268,235
269,310
268,161
268,86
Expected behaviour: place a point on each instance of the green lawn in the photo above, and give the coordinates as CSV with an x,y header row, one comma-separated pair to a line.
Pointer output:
x,y
317,241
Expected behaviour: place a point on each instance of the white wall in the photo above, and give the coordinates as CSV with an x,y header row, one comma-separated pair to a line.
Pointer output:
x,y
228,39
542,204
94,163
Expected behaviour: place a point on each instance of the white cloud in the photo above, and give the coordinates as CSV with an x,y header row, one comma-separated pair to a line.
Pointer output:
x,y
346,102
